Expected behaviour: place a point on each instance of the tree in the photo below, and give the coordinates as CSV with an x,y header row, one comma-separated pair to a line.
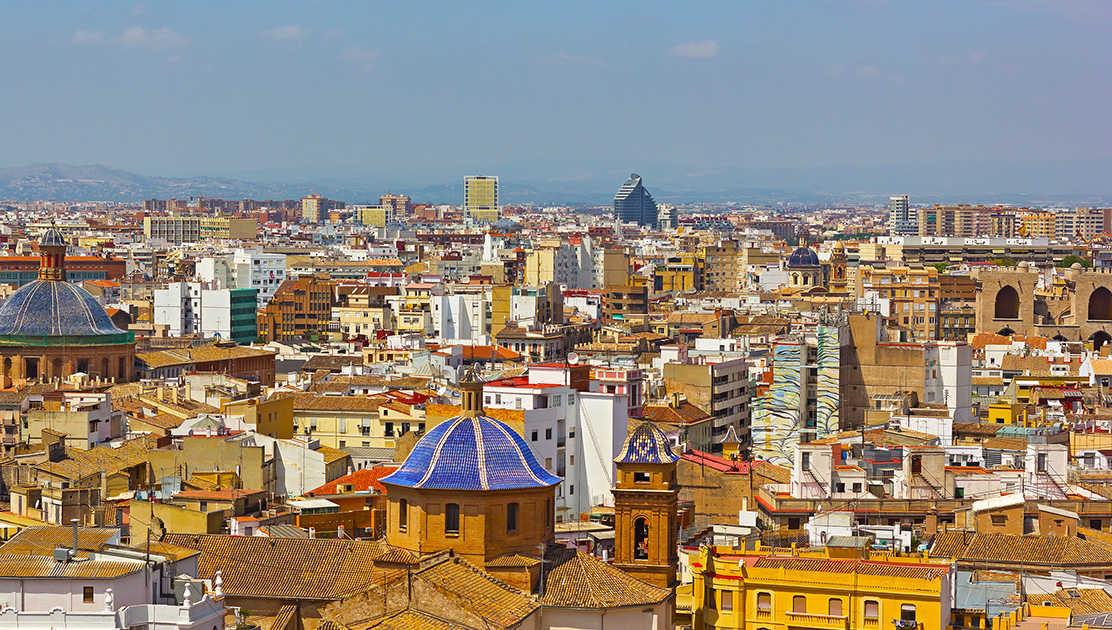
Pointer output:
x,y
1005,262
1069,260
941,267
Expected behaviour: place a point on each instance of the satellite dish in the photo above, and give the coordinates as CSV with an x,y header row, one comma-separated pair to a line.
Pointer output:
x,y
573,358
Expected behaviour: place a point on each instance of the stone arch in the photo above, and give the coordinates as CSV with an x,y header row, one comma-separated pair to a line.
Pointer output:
x,y
1100,305
1099,338
1006,305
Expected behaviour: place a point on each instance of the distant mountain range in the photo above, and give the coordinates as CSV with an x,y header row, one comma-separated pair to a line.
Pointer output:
x,y
864,185
67,182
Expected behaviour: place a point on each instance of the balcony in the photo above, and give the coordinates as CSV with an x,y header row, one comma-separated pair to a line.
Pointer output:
x,y
810,620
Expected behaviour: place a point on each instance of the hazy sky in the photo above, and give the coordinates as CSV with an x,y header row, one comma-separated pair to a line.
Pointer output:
x,y
551,90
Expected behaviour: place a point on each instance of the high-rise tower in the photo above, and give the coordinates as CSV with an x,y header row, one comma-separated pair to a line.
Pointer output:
x,y
634,204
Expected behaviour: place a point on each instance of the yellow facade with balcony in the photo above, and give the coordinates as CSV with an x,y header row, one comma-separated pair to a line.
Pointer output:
x,y
755,590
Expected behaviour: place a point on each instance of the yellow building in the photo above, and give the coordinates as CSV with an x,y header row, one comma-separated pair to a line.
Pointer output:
x,y
1007,413
682,273
840,588
480,198
273,417
237,228
376,216
342,421
1037,224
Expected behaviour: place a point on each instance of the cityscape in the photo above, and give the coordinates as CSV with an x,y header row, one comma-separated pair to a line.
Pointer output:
x,y
327,323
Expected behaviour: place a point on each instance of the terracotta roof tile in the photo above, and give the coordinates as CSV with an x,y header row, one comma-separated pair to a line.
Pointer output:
x,y
579,580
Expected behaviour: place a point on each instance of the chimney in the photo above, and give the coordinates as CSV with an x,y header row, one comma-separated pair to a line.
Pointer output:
x,y
312,532
339,531
73,521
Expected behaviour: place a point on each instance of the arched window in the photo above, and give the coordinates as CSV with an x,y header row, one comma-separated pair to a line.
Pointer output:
x,y
834,607
1099,338
451,518
799,604
403,514
641,539
1100,305
1007,303
872,609
907,613
764,602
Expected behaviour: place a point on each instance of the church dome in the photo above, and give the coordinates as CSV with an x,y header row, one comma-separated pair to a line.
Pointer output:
x,y
472,453
53,237
44,308
646,445
803,257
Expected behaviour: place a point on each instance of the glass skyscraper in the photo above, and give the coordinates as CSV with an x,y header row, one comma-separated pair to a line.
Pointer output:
x,y
634,204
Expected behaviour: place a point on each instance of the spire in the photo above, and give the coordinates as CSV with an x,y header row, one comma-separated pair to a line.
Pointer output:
x,y
52,255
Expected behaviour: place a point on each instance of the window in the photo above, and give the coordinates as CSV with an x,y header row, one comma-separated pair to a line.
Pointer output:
x,y
403,514
548,463
793,522
548,434
999,520
840,487
389,429
857,487
727,600
764,601
641,477
511,518
834,607
451,518
87,594
534,436
907,612
805,464
959,493
571,460
641,540
571,489
1040,462
872,609
799,604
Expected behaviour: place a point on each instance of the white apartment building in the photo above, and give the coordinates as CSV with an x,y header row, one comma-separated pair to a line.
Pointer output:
x,y
575,435
189,308
244,269
461,318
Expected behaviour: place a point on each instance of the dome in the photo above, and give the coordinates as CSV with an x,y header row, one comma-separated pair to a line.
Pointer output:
x,y
53,238
57,309
803,257
646,445
471,453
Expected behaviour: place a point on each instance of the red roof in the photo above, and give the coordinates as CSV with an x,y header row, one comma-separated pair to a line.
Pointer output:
x,y
718,463
362,480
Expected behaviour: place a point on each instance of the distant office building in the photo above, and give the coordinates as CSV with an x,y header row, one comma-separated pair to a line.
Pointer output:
x,y
399,204
634,204
903,220
315,209
480,198
191,228
375,216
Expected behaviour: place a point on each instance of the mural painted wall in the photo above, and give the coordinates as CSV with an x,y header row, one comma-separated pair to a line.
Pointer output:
x,y
781,415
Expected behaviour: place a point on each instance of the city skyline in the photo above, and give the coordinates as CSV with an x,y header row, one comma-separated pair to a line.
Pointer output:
x,y
859,96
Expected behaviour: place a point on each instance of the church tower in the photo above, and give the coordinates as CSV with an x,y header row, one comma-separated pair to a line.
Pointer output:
x,y
646,497
838,267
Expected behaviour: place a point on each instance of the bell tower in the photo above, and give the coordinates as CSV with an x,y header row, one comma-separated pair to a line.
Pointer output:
x,y
838,267
646,497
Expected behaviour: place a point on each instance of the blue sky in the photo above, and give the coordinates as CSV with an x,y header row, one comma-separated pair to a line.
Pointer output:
x,y
558,91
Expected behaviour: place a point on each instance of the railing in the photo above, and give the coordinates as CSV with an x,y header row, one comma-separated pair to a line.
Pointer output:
x,y
811,620
870,622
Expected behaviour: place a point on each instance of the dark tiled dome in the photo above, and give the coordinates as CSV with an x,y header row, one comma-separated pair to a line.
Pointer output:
x,y
646,445
467,453
803,257
53,309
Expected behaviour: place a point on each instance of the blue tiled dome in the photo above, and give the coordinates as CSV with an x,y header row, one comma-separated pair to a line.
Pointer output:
x,y
53,309
646,445
467,453
803,257
54,237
